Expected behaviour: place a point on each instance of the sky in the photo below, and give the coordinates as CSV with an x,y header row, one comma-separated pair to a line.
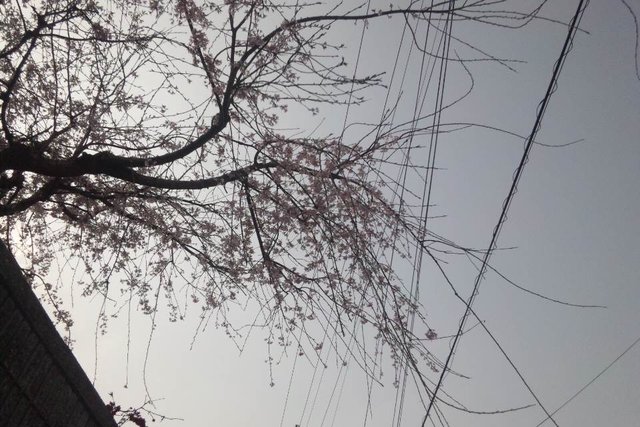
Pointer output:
x,y
572,234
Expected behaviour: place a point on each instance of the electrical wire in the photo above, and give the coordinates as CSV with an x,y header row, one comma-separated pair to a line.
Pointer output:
x,y
428,182
344,127
503,215
592,381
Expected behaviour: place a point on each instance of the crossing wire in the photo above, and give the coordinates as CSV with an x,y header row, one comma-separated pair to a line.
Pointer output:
x,y
592,380
344,127
343,368
518,173
428,183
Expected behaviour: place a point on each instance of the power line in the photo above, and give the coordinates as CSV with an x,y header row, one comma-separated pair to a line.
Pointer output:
x,y
592,381
445,43
503,215
399,49
344,128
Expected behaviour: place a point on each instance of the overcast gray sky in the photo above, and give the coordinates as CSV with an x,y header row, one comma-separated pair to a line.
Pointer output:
x,y
573,229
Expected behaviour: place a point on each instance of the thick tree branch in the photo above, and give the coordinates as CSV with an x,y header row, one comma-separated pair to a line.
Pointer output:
x,y
219,122
42,194
24,159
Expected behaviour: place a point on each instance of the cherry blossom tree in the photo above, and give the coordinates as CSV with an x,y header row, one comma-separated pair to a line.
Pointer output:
x,y
142,149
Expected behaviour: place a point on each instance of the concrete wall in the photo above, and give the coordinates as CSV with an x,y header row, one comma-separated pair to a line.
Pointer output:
x,y
41,382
